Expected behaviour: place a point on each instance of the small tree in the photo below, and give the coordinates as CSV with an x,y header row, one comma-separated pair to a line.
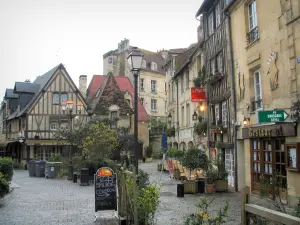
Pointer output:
x,y
193,159
100,142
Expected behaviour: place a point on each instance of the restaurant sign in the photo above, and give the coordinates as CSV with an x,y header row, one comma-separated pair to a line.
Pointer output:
x,y
277,130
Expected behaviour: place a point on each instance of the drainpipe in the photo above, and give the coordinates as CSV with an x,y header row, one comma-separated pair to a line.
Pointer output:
x,y
233,94
177,111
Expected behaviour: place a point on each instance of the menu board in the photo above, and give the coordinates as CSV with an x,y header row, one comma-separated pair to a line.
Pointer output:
x,y
105,189
292,157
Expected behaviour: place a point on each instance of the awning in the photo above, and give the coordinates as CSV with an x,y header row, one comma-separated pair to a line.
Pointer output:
x,y
46,142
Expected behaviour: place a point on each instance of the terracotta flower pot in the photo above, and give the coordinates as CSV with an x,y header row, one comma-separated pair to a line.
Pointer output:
x,y
210,188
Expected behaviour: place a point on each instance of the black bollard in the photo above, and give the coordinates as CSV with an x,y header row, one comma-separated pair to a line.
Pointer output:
x,y
74,178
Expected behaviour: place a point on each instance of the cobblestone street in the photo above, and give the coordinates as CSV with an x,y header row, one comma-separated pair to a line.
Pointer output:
x,y
36,201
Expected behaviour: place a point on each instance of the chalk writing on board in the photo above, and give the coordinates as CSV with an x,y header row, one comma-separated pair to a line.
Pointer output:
x,y
105,189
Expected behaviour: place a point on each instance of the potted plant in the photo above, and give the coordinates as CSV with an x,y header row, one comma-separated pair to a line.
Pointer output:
x,y
211,175
222,175
193,159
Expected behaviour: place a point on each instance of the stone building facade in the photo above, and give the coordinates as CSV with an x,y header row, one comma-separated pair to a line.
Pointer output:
x,y
152,78
266,49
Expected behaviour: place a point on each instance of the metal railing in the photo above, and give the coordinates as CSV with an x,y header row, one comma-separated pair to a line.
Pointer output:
x,y
253,35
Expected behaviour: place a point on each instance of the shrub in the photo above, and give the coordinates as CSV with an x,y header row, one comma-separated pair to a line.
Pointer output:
x,y
55,157
157,154
6,168
205,217
4,186
142,179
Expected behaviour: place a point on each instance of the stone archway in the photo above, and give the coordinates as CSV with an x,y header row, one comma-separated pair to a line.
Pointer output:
x,y
175,145
190,144
182,146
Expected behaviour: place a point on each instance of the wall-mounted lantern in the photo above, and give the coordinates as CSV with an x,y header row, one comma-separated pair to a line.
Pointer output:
x,y
246,121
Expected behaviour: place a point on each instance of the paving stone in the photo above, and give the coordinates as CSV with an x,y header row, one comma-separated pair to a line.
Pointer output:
x,y
173,210
39,201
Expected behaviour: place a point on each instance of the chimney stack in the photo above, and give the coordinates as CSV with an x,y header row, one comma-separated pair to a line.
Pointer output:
x,y
83,84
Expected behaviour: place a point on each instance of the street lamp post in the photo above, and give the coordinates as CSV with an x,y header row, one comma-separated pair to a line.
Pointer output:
x,y
135,59
68,107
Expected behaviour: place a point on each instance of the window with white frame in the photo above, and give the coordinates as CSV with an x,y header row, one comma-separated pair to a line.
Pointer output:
x,y
211,24
144,64
187,80
63,97
220,63
142,101
213,66
217,113
153,85
182,115
224,113
252,15
153,66
173,91
153,104
55,98
188,116
113,118
182,84
54,126
258,89
218,15
142,84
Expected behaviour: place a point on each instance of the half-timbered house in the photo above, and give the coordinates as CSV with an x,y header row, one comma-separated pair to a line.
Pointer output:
x,y
32,120
219,87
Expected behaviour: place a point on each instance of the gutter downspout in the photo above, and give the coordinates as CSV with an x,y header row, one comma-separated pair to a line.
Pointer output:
x,y
177,111
233,94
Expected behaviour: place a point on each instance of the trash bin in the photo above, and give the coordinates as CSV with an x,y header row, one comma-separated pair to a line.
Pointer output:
x,y
84,176
201,186
31,168
53,170
180,190
74,178
40,168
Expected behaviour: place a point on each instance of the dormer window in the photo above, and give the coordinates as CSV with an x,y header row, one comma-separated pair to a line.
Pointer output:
x,y
144,64
153,66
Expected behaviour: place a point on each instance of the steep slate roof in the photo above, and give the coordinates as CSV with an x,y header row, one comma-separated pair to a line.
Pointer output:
x,y
41,81
98,82
153,57
9,93
183,59
206,4
26,87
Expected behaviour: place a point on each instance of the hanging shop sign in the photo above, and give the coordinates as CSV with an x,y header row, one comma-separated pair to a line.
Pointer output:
x,y
198,94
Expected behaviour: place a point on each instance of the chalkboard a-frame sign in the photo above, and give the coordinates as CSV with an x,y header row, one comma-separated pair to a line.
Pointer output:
x,y
105,189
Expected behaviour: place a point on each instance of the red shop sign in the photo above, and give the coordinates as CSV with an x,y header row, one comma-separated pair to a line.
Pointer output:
x,y
198,94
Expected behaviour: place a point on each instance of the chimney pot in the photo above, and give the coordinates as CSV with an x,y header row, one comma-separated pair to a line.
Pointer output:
x,y
83,84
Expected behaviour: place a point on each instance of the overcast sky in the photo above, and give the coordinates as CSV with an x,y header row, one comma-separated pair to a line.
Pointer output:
x,y
36,35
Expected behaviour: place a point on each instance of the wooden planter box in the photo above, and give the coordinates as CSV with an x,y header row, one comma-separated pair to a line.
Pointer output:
x,y
177,174
221,185
190,187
